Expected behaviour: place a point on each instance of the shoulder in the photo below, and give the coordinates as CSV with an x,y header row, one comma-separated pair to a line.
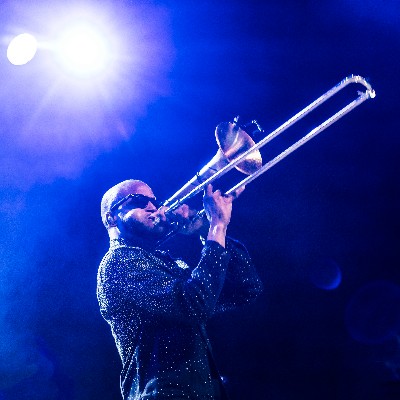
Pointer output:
x,y
122,255
232,243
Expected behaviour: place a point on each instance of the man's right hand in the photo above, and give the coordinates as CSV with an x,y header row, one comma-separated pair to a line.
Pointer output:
x,y
218,208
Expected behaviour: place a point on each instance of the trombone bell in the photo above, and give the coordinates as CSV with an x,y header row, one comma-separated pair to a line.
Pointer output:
x,y
232,140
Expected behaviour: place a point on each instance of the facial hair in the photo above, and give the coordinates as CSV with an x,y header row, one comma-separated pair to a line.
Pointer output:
x,y
134,228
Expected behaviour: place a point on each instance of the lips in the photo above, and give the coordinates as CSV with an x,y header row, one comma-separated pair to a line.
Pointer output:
x,y
155,220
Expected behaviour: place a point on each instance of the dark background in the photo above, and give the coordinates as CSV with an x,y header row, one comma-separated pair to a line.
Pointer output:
x,y
331,207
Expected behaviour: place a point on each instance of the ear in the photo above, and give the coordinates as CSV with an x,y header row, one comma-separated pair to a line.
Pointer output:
x,y
111,220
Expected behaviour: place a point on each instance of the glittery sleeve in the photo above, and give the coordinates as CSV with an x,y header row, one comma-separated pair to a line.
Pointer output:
x,y
242,283
131,280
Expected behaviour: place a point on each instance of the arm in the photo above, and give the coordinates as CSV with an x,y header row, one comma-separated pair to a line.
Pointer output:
x,y
242,283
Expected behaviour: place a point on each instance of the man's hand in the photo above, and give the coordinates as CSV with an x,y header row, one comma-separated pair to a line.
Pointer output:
x,y
185,216
218,208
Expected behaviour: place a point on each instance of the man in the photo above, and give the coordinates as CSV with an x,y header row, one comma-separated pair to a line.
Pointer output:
x,y
157,307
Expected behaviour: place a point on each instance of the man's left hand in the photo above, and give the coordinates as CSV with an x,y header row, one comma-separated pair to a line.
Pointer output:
x,y
190,225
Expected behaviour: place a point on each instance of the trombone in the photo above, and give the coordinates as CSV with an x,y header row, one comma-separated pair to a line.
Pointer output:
x,y
238,150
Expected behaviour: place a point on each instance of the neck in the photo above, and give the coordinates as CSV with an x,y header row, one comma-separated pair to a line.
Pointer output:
x,y
149,245
146,243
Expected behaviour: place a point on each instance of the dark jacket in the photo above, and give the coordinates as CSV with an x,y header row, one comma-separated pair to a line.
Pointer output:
x,y
157,308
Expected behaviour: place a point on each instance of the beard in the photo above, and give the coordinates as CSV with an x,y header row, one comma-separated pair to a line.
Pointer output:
x,y
144,230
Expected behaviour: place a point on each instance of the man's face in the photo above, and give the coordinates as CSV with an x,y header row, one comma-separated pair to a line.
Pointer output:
x,y
137,215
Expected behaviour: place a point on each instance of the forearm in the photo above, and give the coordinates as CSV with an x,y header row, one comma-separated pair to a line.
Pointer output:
x,y
218,208
242,283
241,267
217,233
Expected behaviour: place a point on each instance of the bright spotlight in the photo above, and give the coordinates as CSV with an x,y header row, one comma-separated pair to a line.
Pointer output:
x,y
83,51
21,49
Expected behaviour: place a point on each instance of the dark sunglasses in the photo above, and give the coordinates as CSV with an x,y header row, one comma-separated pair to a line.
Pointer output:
x,y
137,201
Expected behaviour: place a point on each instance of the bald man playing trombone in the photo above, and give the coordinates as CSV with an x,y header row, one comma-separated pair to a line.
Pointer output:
x,y
157,307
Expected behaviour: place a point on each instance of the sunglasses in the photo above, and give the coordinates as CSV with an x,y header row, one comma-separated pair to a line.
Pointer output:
x,y
137,201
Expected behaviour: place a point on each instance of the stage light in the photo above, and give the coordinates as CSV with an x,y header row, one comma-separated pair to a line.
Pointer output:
x,y
83,51
21,49
99,66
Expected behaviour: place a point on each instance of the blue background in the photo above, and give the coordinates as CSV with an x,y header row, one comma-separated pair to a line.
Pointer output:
x,y
322,226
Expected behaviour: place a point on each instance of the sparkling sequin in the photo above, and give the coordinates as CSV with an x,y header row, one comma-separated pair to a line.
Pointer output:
x,y
157,309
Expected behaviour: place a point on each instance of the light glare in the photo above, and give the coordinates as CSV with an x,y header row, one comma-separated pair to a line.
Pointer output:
x,y
83,51
21,49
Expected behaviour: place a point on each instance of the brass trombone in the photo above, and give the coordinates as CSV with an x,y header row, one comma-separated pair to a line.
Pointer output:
x,y
238,150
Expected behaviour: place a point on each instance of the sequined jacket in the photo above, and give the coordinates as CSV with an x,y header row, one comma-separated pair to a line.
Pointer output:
x,y
157,308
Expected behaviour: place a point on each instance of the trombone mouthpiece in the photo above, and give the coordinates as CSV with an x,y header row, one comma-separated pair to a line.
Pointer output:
x,y
157,221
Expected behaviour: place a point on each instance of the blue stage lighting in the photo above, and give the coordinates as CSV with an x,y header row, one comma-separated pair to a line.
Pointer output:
x,y
83,51
21,49
100,65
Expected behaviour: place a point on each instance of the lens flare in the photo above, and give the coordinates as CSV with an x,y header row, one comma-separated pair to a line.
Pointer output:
x,y
326,274
22,49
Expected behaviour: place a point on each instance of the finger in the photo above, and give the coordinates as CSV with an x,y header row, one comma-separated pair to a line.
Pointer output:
x,y
180,215
218,194
208,190
228,197
182,210
236,193
185,211
192,212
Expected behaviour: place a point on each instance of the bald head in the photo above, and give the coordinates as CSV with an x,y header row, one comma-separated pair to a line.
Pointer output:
x,y
116,193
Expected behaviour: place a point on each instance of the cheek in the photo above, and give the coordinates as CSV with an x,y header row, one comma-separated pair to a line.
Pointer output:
x,y
133,216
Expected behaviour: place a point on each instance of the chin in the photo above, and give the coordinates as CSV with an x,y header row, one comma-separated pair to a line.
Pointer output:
x,y
154,231
145,230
